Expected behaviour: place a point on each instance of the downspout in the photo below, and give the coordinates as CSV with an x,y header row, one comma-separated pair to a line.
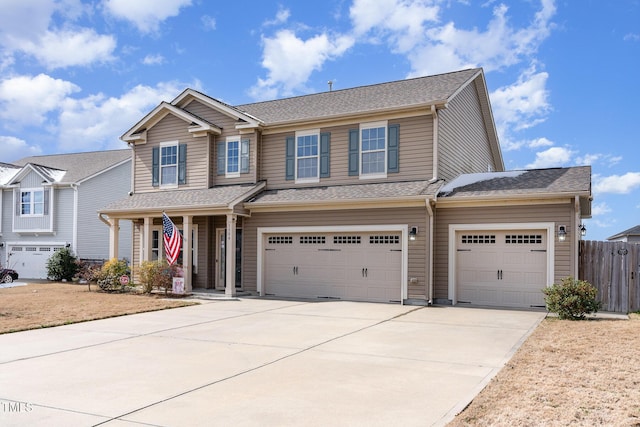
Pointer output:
x,y
577,236
74,236
434,114
430,244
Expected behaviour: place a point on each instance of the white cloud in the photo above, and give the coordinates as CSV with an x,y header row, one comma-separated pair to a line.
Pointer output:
x,y
17,149
553,157
523,104
588,159
156,59
616,184
209,22
70,48
447,47
400,22
631,37
97,121
290,61
281,17
146,15
509,145
27,99
600,209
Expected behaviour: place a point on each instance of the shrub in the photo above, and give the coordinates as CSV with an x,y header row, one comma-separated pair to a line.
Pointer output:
x,y
572,299
108,277
158,274
62,265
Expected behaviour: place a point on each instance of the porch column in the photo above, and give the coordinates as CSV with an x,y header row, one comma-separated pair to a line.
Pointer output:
x,y
187,253
230,273
114,235
147,239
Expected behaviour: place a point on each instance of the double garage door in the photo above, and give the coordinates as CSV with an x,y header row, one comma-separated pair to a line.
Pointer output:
x,y
501,268
30,261
364,266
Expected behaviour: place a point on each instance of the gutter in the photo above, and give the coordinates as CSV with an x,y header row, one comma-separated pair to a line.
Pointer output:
x,y
430,246
434,166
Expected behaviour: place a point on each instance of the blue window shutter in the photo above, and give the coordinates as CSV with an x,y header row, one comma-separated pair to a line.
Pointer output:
x,y
221,158
155,166
290,157
393,159
354,152
182,164
244,155
325,158
45,201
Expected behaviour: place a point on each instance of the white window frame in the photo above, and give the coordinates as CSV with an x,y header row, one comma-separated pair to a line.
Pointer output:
x,y
32,202
230,139
373,125
161,166
159,250
301,134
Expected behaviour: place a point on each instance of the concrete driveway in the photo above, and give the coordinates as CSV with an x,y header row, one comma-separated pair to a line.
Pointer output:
x,y
264,362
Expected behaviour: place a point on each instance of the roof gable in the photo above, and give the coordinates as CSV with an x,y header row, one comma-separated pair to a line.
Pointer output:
x,y
633,231
48,175
245,120
197,125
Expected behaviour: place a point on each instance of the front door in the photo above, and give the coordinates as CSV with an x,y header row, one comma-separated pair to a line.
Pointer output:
x,y
221,258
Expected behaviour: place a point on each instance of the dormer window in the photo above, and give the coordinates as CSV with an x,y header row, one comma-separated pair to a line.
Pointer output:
x,y
32,202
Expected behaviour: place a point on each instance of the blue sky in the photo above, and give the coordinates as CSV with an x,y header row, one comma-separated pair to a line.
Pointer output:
x,y
562,75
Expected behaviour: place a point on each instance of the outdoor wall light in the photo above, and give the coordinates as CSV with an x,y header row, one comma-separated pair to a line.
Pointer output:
x,y
583,230
1,244
562,233
413,231
68,245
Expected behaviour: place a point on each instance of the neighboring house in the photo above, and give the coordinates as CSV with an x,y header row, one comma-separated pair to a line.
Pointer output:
x,y
359,194
631,235
51,202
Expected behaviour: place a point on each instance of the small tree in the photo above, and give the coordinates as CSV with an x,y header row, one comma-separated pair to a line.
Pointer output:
x,y
62,265
572,299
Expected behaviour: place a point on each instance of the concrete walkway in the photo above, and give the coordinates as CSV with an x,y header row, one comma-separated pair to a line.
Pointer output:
x,y
252,361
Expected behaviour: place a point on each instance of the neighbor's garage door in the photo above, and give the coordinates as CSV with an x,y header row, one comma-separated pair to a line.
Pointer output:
x,y
501,268
351,266
30,261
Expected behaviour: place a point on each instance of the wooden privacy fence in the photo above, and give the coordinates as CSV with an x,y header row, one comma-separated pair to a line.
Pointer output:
x,y
612,267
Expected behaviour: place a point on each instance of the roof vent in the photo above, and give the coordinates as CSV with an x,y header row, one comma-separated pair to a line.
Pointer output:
x,y
330,83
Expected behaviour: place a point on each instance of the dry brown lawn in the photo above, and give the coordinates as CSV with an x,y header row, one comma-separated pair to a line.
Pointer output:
x,y
578,373
53,304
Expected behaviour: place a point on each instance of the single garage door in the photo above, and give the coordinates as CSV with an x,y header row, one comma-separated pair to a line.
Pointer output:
x,y
350,266
502,268
30,261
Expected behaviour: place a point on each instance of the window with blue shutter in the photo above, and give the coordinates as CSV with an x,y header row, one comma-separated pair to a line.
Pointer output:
x,y
155,166
244,155
221,158
354,152
182,164
393,164
169,164
325,158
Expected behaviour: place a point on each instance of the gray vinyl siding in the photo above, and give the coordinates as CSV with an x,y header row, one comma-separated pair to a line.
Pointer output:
x,y
417,257
93,194
463,144
559,214
228,125
171,128
415,154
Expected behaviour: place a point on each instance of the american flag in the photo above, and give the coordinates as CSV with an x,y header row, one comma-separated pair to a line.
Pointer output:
x,y
172,239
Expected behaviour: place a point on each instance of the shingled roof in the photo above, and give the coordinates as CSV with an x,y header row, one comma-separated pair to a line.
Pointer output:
x,y
556,181
633,231
409,93
78,166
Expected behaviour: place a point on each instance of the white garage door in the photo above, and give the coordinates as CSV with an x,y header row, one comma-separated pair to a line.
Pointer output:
x,y
501,268
350,266
30,261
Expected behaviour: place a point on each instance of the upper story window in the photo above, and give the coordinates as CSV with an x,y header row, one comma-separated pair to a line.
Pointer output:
x,y
233,156
374,150
307,156
32,202
169,164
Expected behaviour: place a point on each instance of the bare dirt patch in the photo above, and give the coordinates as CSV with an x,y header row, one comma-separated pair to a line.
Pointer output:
x,y
52,304
582,373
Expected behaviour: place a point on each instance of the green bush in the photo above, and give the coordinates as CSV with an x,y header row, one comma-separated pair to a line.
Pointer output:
x,y
62,265
572,299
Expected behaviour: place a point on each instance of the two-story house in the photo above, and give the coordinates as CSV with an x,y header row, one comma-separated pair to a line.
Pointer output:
x,y
50,202
389,192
